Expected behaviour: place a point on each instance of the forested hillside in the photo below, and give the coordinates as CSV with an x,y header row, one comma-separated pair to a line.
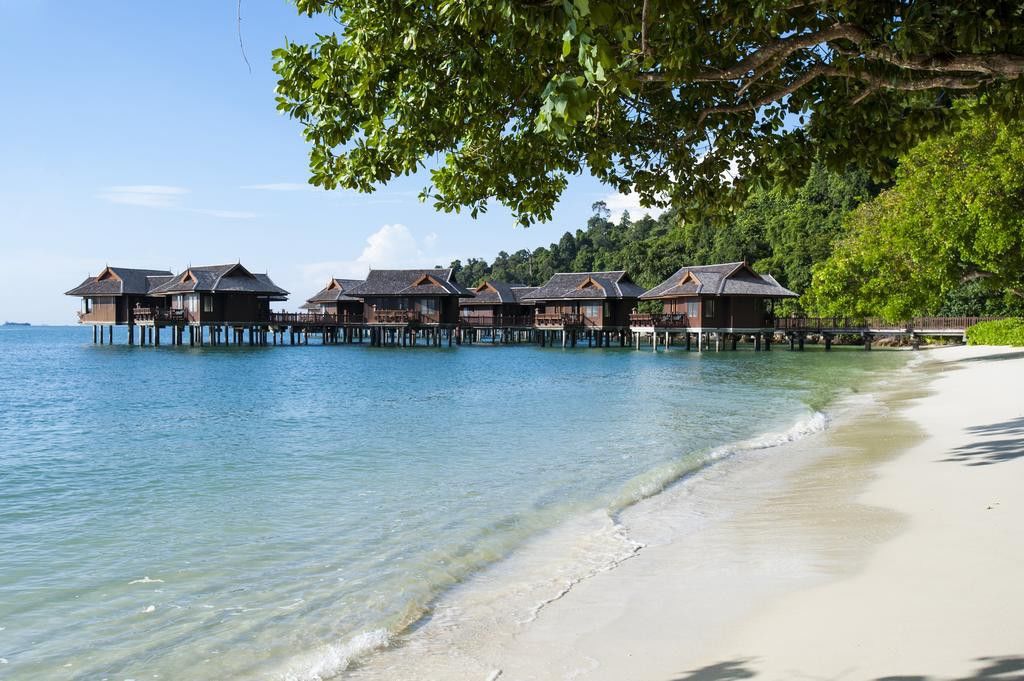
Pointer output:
x,y
781,233
946,237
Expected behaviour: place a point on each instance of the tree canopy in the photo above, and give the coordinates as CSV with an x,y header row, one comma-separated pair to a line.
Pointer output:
x,y
948,236
692,103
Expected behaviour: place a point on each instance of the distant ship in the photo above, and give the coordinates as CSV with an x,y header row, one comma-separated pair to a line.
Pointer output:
x,y
17,324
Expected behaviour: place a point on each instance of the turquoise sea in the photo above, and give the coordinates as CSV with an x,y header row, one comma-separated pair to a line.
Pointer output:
x,y
256,513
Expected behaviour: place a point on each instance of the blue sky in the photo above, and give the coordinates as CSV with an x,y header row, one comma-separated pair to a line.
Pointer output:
x,y
132,133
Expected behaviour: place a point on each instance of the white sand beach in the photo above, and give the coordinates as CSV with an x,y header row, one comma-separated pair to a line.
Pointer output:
x,y
890,546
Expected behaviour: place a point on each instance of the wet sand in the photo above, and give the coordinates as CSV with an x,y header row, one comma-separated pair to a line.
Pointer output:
x,y
890,545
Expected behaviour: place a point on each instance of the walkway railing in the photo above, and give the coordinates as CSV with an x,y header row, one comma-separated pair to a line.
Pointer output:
x,y
875,324
315,318
497,321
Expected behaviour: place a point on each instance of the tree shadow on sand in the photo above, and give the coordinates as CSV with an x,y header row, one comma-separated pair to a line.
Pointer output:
x,y
1008,668
996,357
984,452
734,670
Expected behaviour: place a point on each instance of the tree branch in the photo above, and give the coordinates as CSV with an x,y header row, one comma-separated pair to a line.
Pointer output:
x,y
874,82
644,48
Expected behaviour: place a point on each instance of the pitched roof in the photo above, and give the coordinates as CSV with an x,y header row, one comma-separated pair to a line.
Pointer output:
x,y
434,282
120,281
522,294
494,293
725,279
335,291
221,279
586,286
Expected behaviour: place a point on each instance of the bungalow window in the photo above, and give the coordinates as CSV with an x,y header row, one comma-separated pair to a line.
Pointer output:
x,y
691,308
86,305
207,303
426,305
193,302
709,309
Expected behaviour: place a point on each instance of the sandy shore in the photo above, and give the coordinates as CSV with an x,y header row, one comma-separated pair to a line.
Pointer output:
x,y
888,547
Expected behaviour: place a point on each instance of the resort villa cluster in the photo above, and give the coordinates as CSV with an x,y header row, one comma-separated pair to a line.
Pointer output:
x,y
701,306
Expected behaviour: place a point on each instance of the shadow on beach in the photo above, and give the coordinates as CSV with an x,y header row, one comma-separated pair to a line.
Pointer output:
x,y
1008,668
1008,447
994,357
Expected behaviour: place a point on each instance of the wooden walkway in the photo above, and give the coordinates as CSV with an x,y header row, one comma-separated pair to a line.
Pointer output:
x,y
663,328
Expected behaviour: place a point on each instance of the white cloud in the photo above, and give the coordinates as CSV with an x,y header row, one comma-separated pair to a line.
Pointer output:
x,y
280,187
618,203
150,195
390,247
165,197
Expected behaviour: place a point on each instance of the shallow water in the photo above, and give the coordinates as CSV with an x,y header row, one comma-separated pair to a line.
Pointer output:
x,y
217,513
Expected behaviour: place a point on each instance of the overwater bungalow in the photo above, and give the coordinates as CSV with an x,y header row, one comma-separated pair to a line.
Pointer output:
x,y
722,302
333,299
221,294
220,298
401,306
497,309
113,296
594,304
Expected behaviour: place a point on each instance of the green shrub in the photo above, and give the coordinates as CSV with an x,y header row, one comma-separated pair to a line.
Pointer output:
x,y
1001,332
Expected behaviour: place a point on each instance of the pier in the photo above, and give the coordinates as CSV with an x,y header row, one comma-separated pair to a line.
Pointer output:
x,y
671,329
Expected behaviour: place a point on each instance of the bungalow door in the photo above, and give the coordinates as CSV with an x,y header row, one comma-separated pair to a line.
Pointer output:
x,y
591,313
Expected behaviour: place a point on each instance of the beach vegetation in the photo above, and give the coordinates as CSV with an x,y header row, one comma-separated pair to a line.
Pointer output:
x,y
689,104
998,332
948,235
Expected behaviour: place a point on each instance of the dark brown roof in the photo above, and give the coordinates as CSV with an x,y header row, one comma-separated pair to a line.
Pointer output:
x,y
121,281
493,293
335,291
523,293
725,279
587,286
221,279
435,282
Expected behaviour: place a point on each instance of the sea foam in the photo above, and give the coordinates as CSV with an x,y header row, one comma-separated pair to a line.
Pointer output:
x,y
334,659
657,480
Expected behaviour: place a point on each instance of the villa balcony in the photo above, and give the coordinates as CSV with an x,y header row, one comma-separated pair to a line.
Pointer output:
x,y
548,320
660,321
